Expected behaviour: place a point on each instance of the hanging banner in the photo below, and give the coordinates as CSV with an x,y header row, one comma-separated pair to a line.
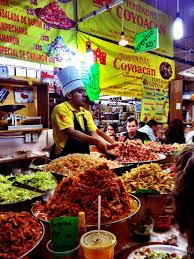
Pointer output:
x,y
154,88
138,17
121,69
155,101
29,29
153,109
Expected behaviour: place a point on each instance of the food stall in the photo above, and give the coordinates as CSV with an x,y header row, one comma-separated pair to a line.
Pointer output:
x,y
134,180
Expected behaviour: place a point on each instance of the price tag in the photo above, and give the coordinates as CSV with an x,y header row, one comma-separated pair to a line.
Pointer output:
x,y
64,233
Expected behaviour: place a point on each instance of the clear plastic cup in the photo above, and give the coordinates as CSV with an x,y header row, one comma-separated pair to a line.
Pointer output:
x,y
68,254
98,245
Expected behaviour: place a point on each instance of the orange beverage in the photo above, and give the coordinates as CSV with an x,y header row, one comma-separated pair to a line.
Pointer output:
x,y
98,245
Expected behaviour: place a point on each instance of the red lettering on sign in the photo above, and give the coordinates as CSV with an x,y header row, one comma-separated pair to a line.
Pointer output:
x,y
8,52
4,2
13,28
140,20
9,39
22,54
9,15
35,22
23,19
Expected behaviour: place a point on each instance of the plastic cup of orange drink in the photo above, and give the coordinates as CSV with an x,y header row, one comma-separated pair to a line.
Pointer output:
x,y
98,245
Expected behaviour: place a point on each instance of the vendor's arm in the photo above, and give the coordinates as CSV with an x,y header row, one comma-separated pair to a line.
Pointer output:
x,y
91,139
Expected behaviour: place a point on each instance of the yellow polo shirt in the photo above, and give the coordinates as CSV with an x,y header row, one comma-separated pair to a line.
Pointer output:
x,y
62,118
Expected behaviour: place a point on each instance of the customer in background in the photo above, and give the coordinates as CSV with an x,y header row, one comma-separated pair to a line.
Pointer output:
x,y
110,131
150,129
132,132
184,196
175,132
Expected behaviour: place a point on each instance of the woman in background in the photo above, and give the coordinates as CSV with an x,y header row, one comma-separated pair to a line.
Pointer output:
x,y
110,131
175,132
184,196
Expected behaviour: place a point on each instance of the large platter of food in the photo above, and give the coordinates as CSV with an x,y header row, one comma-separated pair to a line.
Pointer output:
x,y
20,233
134,151
9,193
157,252
80,193
159,157
166,149
148,177
75,163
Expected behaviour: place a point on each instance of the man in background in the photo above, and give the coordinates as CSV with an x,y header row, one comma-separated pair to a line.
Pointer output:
x,y
132,132
150,129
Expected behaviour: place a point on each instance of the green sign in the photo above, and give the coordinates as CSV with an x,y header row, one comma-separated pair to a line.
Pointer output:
x,y
64,233
146,40
90,78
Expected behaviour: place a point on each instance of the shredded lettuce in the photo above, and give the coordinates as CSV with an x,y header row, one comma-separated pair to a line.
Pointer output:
x,y
40,180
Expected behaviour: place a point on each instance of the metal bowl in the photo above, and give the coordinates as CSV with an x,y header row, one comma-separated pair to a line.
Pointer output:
x,y
43,217
36,244
24,205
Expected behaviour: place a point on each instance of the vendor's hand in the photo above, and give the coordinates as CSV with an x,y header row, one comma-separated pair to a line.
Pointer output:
x,y
121,138
113,145
102,146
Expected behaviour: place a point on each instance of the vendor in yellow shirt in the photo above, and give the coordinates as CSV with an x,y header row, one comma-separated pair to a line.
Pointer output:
x,y
73,126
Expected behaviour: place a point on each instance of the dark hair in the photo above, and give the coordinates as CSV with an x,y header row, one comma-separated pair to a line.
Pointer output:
x,y
152,123
113,125
132,119
183,157
175,132
184,192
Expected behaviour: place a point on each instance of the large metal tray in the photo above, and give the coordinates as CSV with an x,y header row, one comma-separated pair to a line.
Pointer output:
x,y
36,213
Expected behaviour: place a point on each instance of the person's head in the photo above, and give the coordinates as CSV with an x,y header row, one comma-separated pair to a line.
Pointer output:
x,y
184,192
131,126
110,130
153,124
183,157
175,132
72,86
176,123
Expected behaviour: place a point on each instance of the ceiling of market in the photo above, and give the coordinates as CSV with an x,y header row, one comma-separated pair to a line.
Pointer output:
x,y
184,48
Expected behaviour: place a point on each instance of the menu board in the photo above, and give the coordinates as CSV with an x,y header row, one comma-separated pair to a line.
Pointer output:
x,y
27,28
155,101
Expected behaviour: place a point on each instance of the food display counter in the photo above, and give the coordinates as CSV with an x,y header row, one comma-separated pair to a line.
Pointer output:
x,y
136,195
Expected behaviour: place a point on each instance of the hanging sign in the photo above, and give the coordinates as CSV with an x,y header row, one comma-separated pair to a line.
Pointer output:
x,y
90,78
33,29
121,70
137,17
154,110
155,101
146,40
154,88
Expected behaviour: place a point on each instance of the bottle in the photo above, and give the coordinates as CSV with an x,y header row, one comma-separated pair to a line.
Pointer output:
x,y
81,224
81,230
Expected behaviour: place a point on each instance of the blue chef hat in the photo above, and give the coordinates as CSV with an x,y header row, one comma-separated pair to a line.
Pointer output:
x,y
69,79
